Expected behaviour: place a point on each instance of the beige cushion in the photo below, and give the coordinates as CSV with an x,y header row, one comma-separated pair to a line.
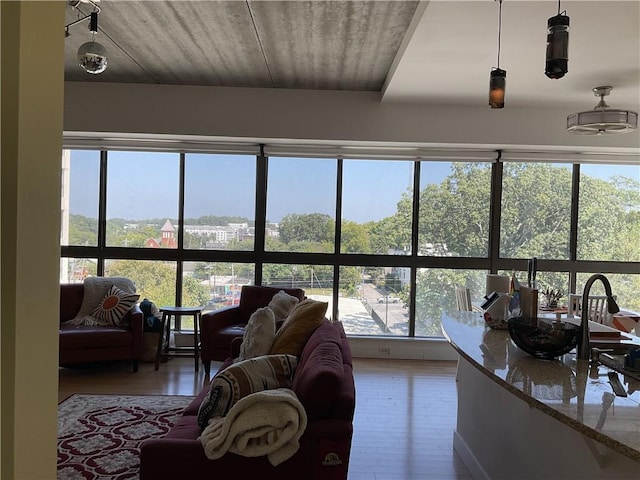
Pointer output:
x,y
244,378
258,334
282,303
298,327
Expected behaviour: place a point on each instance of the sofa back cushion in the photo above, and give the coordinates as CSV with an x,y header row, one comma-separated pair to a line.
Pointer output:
x,y
320,373
298,327
253,297
71,295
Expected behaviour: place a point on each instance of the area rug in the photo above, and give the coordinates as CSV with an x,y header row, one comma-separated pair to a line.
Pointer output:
x,y
99,436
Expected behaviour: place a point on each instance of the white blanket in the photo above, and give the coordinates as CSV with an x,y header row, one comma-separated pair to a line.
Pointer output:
x,y
264,423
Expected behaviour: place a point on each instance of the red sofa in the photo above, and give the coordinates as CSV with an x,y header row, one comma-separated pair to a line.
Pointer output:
x,y
220,327
323,382
86,344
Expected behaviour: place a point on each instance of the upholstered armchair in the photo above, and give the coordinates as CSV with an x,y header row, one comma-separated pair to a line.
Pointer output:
x,y
99,324
220,327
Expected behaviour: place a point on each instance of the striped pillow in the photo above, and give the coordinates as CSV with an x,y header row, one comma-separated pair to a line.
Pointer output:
x,y
266,372
114,306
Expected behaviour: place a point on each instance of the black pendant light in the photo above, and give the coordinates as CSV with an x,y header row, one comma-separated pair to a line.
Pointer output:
x,y
557,62
498,77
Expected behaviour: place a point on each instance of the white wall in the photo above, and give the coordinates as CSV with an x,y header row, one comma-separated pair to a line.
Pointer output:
x,y
314,116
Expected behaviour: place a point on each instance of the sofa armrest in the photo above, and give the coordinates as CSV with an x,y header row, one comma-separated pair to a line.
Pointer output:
x,y
218,319
135,318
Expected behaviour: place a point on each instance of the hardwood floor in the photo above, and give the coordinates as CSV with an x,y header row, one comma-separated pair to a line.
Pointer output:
x,y
403,425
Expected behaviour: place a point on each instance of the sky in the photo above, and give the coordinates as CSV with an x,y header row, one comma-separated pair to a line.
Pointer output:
x,y
144,185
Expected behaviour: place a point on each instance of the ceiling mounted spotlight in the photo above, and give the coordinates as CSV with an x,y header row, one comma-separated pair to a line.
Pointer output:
x,y
557,62
602,120
498,77
92,56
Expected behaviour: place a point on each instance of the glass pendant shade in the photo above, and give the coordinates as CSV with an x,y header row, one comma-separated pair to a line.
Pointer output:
x,y
557,62
497,86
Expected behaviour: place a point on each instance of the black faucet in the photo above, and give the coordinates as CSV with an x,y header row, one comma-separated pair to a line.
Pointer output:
x,y
612,307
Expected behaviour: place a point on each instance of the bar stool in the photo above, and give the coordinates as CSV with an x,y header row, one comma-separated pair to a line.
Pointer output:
x,y
164,348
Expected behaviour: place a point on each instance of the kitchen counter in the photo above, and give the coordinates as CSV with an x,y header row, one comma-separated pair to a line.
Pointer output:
x,y
549,418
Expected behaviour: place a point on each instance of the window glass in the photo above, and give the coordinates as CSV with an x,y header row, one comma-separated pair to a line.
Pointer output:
x,y
301,205
315,280
435,293
609,213
142,199
373,300
454,209
155,280
75,270
80,197
625,287
536,211
376,207
222,282
219,202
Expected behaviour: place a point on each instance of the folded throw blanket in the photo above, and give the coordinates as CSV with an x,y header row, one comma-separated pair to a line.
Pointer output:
x,y
268,423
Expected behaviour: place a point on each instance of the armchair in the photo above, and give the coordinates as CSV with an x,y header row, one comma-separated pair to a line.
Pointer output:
x,y
97,343
220,327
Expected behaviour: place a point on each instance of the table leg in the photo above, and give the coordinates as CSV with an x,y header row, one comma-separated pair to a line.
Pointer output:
x,y
161,339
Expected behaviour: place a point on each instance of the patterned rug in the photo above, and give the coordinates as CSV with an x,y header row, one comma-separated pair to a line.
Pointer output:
x,y
99,436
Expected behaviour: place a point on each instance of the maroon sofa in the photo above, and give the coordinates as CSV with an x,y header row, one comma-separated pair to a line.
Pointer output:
x,y
323,382
219,328
87,344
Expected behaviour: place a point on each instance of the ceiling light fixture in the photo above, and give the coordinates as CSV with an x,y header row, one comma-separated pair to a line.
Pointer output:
x,y
602,120
92,56
557,62
498,77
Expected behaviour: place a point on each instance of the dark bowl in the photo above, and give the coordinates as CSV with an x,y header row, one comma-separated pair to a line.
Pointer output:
x,y
546,339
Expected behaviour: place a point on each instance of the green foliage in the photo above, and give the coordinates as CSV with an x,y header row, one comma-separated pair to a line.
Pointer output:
x,y
157,282
313,227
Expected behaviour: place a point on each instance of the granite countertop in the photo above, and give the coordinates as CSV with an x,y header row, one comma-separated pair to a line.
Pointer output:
x,y
570,390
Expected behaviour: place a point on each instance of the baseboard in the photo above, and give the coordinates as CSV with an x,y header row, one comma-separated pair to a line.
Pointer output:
x,y
402,348
467,457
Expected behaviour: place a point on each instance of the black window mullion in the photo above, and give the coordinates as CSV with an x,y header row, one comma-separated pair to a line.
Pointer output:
x,y
102,213
260,221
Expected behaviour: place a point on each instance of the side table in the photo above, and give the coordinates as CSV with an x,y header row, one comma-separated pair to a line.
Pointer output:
x,y
164,348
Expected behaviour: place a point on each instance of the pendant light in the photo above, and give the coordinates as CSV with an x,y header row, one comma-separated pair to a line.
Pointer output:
x,y
557,62
498,77
92,56
602,120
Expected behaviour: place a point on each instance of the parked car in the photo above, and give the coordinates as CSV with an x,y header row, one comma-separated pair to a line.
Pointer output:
x,y
388,300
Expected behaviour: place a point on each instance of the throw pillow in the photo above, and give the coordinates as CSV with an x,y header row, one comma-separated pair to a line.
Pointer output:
x,y
298,327
258,334
282,303
95,288
114,306
244,378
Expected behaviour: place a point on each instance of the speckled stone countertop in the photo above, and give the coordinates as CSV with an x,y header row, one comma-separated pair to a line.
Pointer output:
x,y
570,390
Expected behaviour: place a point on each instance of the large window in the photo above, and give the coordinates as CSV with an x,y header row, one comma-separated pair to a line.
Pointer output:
x,y
301,199
192,228
142,199
536,211
455,201
376,207
219,202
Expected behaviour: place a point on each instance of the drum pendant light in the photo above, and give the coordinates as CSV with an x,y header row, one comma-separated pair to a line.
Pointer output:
x,y
557,61
498,77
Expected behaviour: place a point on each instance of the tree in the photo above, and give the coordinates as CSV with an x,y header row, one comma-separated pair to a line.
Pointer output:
x,y
313,227
157,282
